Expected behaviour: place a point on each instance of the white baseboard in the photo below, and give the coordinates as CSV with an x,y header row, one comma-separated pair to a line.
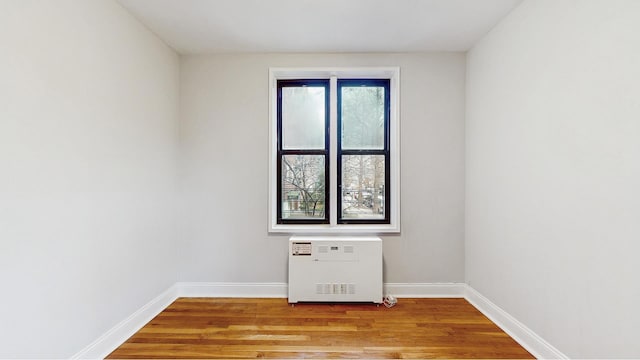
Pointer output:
x,y
279,290
531,341
239,290
113,338
117,335
425,290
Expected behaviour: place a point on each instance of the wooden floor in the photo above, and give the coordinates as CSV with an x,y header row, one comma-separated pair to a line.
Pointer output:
x,y
271,328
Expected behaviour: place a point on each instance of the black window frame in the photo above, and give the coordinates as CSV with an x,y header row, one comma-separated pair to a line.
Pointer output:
x,y
324,152
386,84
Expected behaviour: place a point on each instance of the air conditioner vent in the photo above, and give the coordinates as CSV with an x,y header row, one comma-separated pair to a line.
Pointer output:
x,y
335,289
351,289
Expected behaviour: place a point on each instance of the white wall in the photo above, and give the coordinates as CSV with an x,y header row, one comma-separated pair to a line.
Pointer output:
x,y
224,169
88,134
553,167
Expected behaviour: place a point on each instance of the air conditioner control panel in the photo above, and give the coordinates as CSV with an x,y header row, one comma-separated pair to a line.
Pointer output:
x,y
301,248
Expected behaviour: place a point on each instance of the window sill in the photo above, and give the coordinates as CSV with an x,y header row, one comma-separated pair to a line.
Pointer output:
x,y
334,229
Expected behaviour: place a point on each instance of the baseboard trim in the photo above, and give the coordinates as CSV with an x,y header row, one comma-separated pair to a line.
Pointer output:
x,y
113,338
117,335
239,290
425,290
526,337
279,290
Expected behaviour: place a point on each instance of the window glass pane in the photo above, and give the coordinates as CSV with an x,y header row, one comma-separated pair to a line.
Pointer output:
x,y
303,117
303,187
363,186
362,117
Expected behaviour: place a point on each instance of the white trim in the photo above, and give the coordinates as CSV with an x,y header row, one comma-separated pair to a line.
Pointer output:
x,y
388,72
333,151
425,290
524,336
239,290
273,151
358,72
114,337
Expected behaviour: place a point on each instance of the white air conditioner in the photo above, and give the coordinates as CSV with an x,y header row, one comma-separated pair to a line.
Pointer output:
x,y
335,269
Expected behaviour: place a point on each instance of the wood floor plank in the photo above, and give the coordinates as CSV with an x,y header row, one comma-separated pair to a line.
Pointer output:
x,y
270,328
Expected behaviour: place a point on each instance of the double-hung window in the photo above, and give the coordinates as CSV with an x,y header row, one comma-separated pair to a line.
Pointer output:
x,y
334,151
363,151
303,151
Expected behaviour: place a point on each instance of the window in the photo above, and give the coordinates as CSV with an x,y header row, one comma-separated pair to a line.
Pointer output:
x,y
334,151
303,151
363,151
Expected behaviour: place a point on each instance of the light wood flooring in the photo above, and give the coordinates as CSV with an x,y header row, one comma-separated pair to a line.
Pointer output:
x,y
271,328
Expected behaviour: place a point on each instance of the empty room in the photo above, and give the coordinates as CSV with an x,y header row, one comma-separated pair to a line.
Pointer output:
x,y
319,178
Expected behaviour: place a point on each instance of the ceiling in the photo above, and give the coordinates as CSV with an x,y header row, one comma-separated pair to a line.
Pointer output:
x,y
222,26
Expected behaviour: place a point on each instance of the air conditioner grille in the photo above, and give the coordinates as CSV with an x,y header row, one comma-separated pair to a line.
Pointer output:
x,y
352,288
336,289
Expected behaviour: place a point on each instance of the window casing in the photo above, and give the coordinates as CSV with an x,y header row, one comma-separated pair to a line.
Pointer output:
x,y
350,169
